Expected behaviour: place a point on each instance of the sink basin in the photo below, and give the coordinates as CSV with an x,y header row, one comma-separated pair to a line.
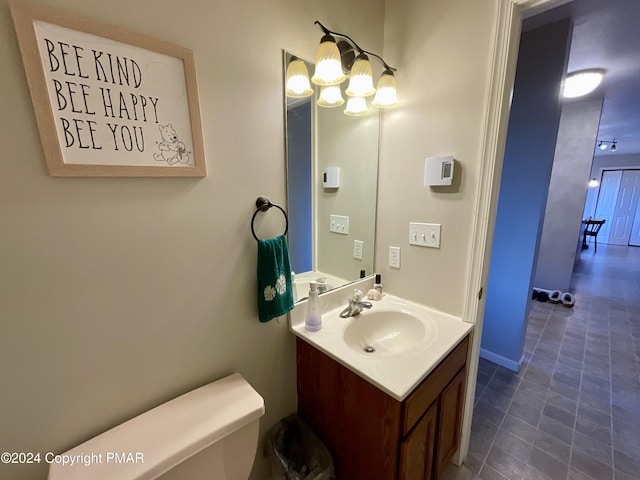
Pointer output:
x,y
386,333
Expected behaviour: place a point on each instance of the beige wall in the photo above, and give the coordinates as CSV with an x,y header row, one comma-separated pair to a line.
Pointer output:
x,y
118,294
442,49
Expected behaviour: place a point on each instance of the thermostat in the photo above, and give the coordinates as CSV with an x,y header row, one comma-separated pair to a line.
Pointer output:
x,y
331,177
438,171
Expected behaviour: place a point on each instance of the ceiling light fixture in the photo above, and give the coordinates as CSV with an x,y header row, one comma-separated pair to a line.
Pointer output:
x,y
593,183
335,60
582,82
604,144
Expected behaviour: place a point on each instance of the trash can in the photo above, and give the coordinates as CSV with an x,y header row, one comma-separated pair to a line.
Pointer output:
x,y
296,453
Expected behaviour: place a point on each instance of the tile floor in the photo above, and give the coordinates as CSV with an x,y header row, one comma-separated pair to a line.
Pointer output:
x,y
573,410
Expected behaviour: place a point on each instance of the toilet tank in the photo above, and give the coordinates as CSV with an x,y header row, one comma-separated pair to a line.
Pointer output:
x,y
210,432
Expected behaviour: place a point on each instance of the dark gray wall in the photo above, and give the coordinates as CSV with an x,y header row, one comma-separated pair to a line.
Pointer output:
x,y
567,192
530,148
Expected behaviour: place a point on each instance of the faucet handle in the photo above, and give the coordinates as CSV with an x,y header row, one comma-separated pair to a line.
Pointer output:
x,y
357,295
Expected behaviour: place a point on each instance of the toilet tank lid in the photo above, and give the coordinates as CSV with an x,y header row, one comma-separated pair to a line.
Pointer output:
x,y
156,441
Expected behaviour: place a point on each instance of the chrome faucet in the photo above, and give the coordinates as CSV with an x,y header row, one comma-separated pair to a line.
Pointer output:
x,y
355,305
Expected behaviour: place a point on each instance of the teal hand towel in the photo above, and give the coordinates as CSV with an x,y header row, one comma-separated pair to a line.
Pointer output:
x,y
275,294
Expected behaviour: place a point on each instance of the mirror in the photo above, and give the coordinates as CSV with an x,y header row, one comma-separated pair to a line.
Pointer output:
x,y
318,139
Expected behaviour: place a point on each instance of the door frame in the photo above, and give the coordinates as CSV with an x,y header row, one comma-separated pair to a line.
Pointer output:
x,y
506,42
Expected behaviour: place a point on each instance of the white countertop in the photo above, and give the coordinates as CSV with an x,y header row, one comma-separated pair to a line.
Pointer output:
x,y
398,374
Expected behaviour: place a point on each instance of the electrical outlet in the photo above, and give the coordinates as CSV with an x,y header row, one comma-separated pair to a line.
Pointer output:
x,y
394,257
339,224
424,234
358,246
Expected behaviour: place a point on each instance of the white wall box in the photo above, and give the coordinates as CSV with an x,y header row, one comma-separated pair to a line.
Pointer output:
x,y
438,171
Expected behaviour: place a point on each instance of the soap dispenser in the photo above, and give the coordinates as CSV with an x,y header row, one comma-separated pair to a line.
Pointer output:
x,y
313,322
378,283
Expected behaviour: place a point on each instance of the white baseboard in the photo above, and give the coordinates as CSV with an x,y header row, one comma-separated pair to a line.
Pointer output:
x,y
500,360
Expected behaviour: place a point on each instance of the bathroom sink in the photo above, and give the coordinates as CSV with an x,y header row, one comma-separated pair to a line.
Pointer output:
x,y
386,333
394,344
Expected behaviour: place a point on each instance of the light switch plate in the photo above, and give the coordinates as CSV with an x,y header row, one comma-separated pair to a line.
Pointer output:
x,y
424,234
358,246
339,224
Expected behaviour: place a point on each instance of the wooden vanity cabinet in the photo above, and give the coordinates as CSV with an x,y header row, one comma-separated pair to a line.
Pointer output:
x,y
372,435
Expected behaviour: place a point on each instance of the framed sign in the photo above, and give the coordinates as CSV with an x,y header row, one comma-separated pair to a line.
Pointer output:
x,y
109,102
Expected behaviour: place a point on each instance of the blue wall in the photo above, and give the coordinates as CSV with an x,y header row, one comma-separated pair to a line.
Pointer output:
x,y
299,165
531,140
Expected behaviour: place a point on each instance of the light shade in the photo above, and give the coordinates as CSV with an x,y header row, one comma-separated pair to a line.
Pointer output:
x,y
361,78
581,83
387,95
297,85
330,96
593,183
356,106
328,65
602,146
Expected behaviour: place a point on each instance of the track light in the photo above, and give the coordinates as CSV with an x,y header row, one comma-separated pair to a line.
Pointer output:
x,y
335,60
604,144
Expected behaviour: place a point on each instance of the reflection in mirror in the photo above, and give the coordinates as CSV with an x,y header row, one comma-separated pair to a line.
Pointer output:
x,y
320,140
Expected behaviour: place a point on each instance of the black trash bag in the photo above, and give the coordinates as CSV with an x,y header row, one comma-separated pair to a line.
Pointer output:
x,y
296,453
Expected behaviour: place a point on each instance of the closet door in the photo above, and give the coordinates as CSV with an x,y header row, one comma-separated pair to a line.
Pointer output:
x,y
606,205
626,204
635,230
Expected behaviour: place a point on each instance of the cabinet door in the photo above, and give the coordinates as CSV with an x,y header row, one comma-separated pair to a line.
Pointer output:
x,y
416,451
449,420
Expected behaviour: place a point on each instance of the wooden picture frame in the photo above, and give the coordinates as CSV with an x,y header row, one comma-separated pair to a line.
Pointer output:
x,y
109,102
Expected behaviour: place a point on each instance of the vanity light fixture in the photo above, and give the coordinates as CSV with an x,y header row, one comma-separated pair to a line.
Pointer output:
x,y
330,96
356,106
328,62
297,82
361,78
387,95
332,55
604,144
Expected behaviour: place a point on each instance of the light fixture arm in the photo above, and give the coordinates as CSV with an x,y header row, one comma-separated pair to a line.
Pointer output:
x,y
361,50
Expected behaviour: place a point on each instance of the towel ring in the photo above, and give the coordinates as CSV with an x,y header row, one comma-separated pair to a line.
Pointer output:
x,y
262,205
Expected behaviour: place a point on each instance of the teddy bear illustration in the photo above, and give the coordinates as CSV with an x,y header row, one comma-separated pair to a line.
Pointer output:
x,y
171,149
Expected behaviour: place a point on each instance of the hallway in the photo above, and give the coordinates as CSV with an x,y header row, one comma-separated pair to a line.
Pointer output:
x,y
573,410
